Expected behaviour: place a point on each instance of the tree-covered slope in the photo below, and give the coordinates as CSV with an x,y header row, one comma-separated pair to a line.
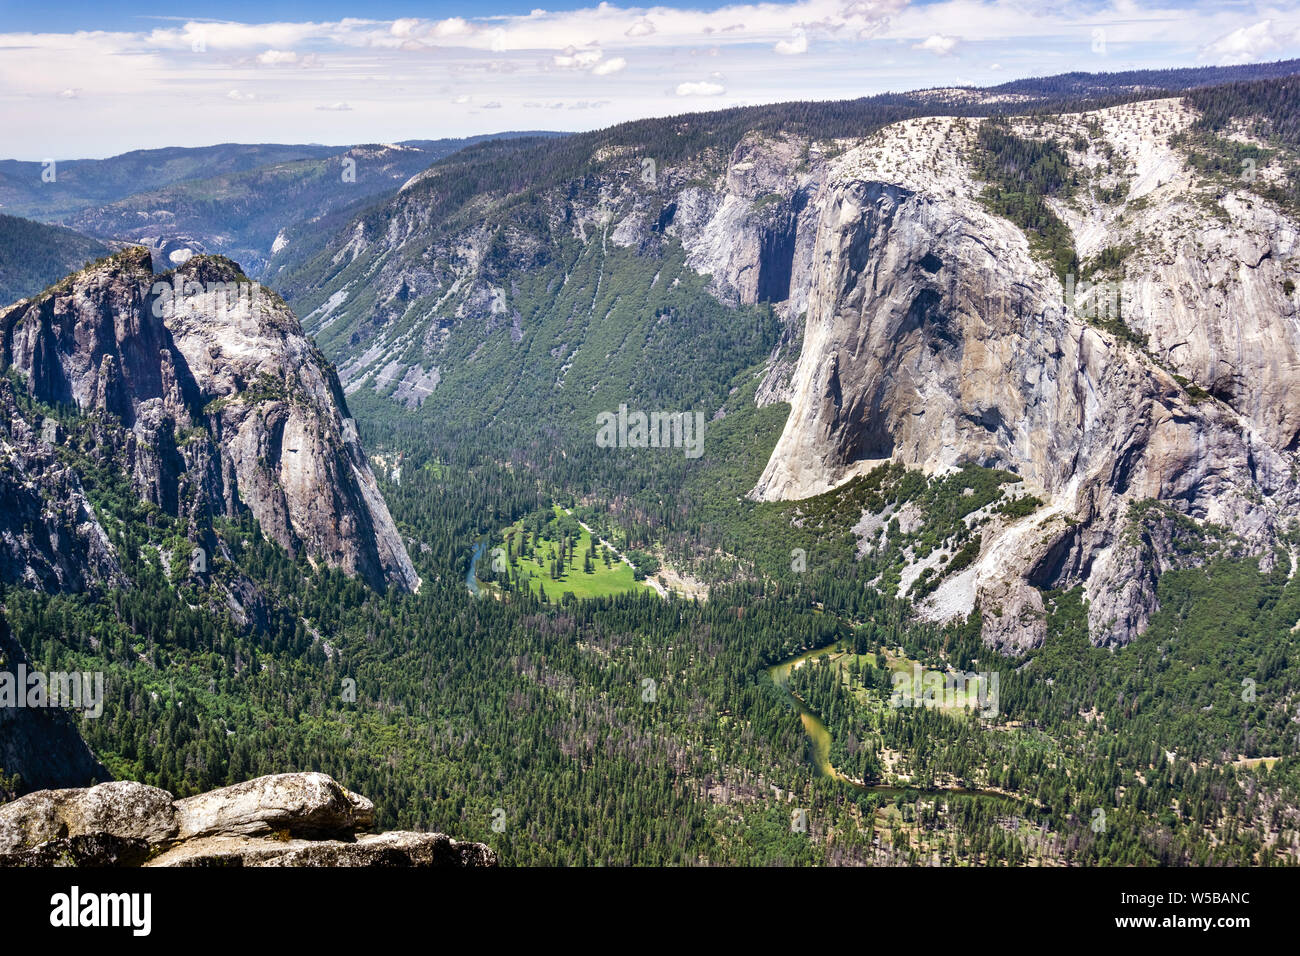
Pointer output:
x,y
33,256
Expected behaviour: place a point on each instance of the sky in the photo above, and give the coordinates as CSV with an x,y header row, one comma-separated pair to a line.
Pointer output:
x,y
83,79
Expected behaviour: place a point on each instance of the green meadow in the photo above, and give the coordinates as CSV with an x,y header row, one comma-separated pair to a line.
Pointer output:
x,y
554,555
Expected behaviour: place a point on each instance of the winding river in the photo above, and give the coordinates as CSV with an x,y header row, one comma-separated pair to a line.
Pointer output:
x,y
819,737
471,577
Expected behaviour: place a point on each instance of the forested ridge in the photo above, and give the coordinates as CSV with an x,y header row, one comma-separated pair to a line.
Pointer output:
x,y
1245,127
506,181
33,256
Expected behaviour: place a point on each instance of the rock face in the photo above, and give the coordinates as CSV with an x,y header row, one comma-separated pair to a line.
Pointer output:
x,y
227,408
755,235
935,338
292,819
120,810
1205,284
50,538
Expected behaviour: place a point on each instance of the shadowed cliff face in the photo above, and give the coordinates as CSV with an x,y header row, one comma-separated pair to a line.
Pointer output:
x,y
227,407
934,338
40,745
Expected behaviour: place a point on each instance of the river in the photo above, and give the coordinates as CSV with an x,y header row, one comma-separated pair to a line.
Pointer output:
x,y
819,737
471,577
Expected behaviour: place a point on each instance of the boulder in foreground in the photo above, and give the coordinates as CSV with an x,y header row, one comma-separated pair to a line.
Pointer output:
x,y
288,819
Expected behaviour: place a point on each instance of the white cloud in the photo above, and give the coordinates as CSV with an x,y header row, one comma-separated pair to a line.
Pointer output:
x,y
1247,44
793,47
613,65
771,51
404,27
277,58
336,108
588,58
574,59
701,88
461,100
69,94
604,25
937,44
493,105
453,27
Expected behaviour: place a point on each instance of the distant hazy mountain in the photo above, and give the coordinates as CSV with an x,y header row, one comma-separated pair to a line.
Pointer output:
x,y
241,214
33,256
222,199
77,183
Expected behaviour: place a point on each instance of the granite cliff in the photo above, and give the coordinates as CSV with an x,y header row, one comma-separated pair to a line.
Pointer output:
x,y
204,391
935,337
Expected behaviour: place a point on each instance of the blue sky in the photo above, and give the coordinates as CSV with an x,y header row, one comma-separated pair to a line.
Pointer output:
x,y
83,79
92,15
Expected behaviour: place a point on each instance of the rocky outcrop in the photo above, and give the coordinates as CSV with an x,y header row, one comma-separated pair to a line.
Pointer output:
x,y
223,407
293,819
935,338
303,804
121,810
395,849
